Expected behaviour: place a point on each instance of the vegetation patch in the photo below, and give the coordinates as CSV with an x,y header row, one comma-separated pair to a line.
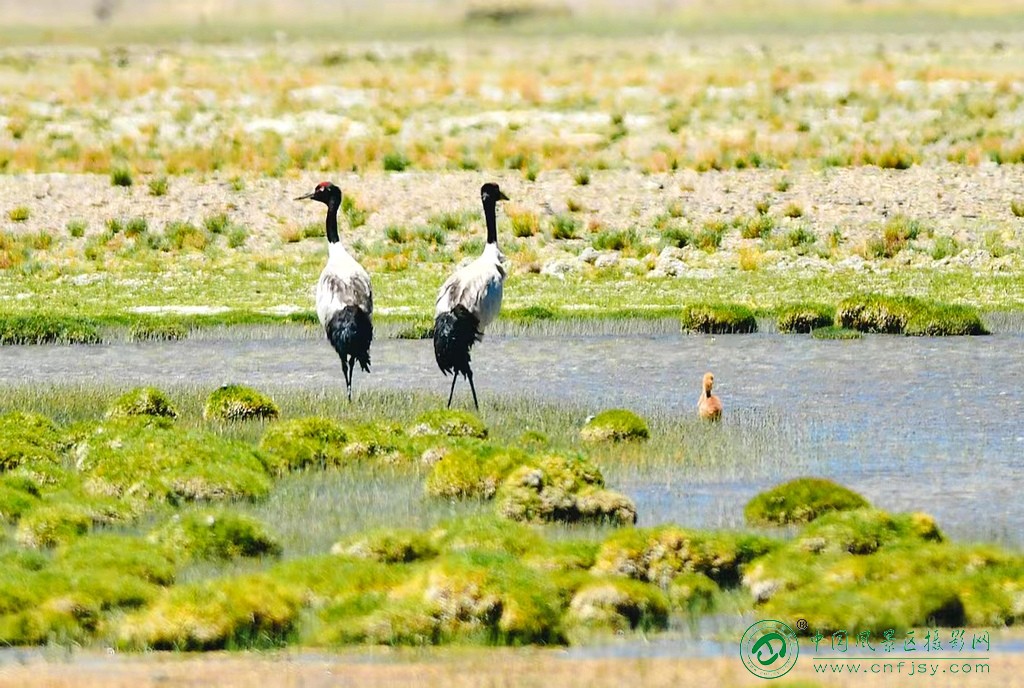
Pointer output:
x,y
944,320
138,463
800,501
303,443
47,329
143,401
225,613
471,471
804,318
215,535
611,605
721,318
833,332
29,439
388,545
907,315
239,403
451,423
659,554
615,425
567,489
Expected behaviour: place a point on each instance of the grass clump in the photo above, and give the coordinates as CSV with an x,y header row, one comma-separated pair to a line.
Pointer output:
x,y
566,489
877,313
658,555
184,235
239,403
615,240
719,318
615,425
29,439
76,228
395,161
898,232
473,471
907,315
158,186
215,535
945,320
142,401
158,331
758,227
139,462
564,227
800,501
448,422
524,223
49,525
388,545
20,214
18,495
48,329
121,176
237,612
613,606
804,317
834,332
1017,208
303,443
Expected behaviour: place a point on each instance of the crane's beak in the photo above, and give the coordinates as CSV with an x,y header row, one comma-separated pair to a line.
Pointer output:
x,y
309,195
502,196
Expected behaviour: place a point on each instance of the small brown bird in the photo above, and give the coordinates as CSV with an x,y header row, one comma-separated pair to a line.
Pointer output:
x,y
709,406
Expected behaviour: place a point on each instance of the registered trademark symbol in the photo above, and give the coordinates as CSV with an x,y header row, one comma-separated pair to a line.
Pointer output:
x,y
801,624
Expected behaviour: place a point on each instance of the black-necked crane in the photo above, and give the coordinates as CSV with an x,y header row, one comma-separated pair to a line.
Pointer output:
x,y
709,407
344,297
470,300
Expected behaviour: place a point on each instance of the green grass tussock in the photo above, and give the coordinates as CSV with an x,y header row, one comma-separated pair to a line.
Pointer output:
x,y
29,439
659,554
140,463
833,332
387,545
143,401
48,329
239,403
721,318
800,501
906,315
302,443
804,318
215,535
615,425
449,423
566,489
613,605
471,471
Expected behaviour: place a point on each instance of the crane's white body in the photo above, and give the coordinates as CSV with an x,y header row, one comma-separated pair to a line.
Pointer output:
x,y
477,287
343,282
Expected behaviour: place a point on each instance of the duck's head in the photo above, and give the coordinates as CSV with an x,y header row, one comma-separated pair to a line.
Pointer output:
x,y
709,382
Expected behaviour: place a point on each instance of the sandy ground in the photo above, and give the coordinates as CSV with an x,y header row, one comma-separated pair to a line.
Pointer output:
x,y
963,202
454,670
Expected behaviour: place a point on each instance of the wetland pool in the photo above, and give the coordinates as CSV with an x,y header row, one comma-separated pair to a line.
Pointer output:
x,y
914,424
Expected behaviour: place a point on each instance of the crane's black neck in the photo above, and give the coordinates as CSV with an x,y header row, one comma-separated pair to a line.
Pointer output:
x,y
333,203
492,221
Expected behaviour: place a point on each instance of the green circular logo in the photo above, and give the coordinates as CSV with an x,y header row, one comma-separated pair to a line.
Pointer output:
x,y
769,649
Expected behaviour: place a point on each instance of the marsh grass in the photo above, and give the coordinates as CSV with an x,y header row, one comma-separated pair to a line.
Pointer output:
x,y
19,214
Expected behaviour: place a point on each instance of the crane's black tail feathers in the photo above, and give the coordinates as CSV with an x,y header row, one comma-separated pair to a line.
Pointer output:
x,y
350,332
455,332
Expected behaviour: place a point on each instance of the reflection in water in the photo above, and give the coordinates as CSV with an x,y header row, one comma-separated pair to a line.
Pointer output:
x,y
935,425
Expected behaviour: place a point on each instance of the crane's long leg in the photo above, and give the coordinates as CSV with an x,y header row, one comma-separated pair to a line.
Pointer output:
x,y
469,376
348,377
351,375
455,376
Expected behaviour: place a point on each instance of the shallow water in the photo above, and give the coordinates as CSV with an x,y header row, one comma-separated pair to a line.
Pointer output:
x,y
935,425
